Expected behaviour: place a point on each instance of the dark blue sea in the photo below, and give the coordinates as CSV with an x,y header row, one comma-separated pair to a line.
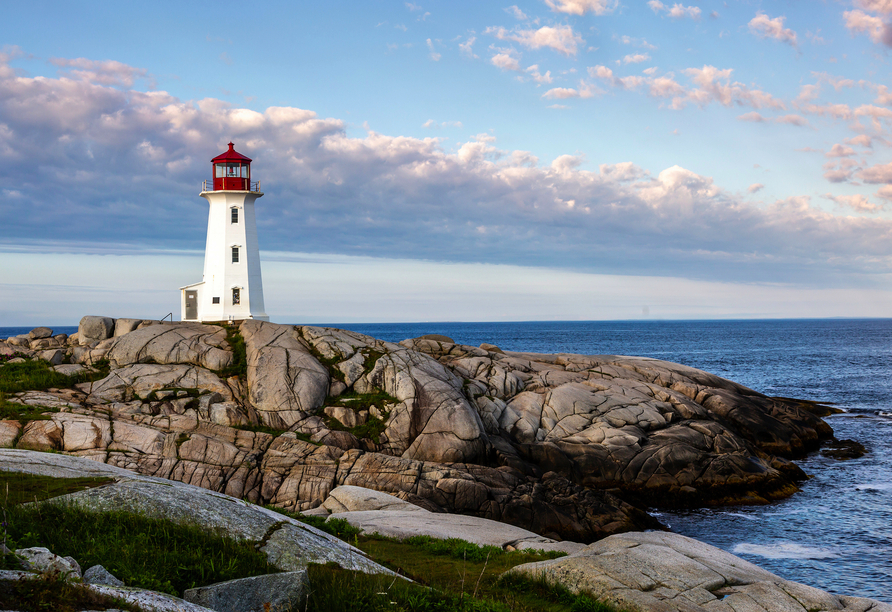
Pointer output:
x,y
836,534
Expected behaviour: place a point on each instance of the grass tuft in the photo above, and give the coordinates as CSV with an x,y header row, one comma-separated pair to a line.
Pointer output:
x,y
239,366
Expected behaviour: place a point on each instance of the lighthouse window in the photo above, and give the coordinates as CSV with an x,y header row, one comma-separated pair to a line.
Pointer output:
x,y
236,296
215,300
235,215
234,254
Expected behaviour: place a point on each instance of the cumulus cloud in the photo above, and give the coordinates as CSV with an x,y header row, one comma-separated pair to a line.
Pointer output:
x,y
636,58
676,11
581,7
858,203
862,140
764,27
859,22
839,150
755,188
133,161
877,174
561,38
796,120
431,124
106,72
533,71
505,61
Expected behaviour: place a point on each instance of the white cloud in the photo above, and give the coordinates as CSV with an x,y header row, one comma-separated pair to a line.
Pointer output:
x,y
436,125
764,27
133,161
860,22
561,38
858,203
755,187
433,55
413,7
796,120
516,13
636,58
581,7
877,174
885,193
533,71
753,117
106,72
676,11
839,150
862,140
561,93
505,61
467,47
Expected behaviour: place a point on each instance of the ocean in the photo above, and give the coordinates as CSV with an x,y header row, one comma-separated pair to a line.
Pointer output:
x,y
836,534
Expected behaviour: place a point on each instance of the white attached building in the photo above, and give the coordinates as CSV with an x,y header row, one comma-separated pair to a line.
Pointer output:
x,y
231,289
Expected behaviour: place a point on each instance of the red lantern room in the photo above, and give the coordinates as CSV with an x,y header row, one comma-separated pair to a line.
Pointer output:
x,y
232,171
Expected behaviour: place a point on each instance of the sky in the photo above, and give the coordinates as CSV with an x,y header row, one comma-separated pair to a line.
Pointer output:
x,y
453,161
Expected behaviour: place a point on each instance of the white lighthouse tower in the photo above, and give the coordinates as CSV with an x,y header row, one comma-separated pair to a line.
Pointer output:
x,y
231,289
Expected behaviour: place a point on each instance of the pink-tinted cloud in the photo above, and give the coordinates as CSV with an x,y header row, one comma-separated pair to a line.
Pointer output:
x,y
839,150
676,11
858,203
881,173
859,22
764,27
755,188
561,38
133,161
581,7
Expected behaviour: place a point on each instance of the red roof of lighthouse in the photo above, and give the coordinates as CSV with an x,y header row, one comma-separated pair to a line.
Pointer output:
x,y
231,155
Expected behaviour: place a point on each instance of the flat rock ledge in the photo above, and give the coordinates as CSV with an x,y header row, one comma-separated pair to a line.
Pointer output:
x,y
667,572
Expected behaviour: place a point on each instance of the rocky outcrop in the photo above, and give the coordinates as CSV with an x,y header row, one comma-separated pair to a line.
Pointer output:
x,y
562,445
667,572
289,544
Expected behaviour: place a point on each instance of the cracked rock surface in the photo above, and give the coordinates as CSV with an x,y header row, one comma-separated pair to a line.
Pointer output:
x,y
567,446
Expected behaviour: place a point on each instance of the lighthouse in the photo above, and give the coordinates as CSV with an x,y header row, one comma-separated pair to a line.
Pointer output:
x,y
231,289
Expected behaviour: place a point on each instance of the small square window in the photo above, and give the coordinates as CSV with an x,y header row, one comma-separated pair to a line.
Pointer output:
x,y
235,215
236,296
234,254
215,300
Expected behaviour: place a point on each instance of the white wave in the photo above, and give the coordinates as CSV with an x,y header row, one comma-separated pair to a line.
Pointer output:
x,y
784,550
749,517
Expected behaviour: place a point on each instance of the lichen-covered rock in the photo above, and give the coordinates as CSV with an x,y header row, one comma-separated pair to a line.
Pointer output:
x,y
667,572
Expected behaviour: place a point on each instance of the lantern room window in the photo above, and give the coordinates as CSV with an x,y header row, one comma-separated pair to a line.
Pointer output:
x,y
232,170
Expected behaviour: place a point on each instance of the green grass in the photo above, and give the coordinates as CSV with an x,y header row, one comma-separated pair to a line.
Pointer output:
x,y
57,595
31,375
373,427
143,552
10,411
18,488
239,366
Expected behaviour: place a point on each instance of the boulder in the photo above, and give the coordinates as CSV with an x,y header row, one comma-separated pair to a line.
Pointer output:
x,y
172,343
125,326
139,381
99,575
9,432
285,591
40,332
95,329
38,559
53,356
667,572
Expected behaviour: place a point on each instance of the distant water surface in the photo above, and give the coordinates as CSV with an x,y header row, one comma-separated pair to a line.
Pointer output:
x,y
837,533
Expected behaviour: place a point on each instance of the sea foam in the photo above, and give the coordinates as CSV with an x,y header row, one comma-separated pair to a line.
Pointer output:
x,y
784,550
